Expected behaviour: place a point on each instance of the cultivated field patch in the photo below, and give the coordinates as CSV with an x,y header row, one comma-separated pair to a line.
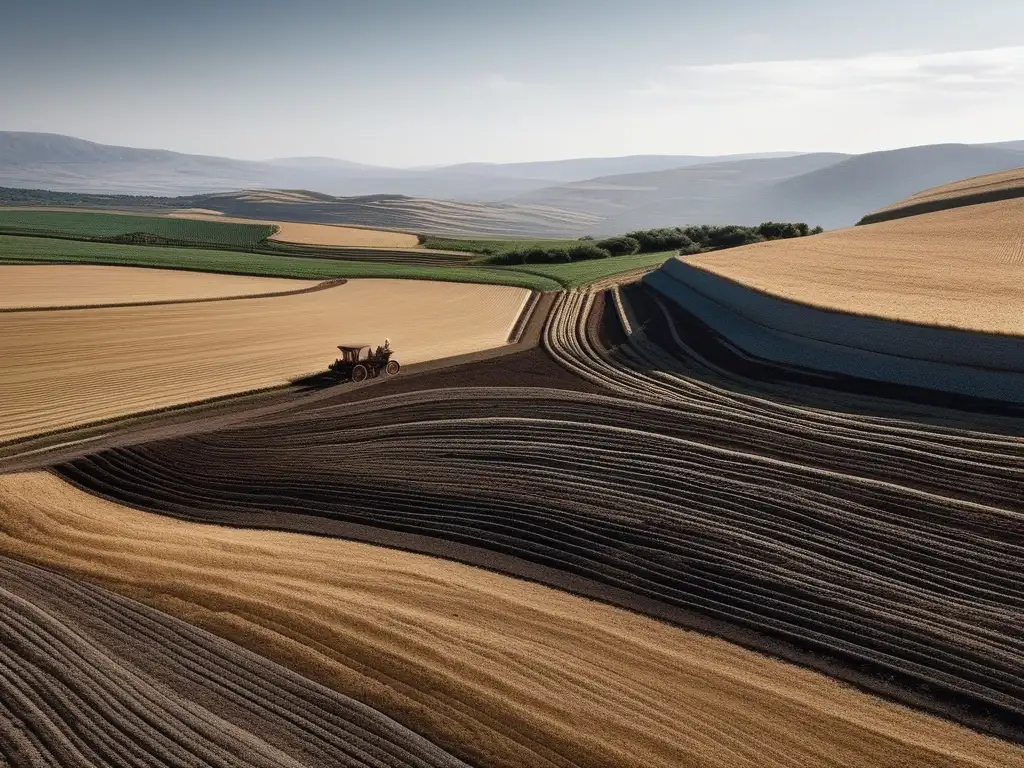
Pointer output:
x,y
319,234
181,695
68,367
503,673
958,268
134,228
75,286
38,250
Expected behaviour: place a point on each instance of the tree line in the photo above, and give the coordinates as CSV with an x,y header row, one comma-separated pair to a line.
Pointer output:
x,y
686,240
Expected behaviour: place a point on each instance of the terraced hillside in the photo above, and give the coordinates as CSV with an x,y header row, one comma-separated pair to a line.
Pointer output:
x,y
501,672
878,541
988,188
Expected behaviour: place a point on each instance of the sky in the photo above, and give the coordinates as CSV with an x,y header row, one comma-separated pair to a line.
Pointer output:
x,y
426,82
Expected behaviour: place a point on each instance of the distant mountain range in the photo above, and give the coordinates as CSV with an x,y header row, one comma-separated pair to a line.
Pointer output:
x,y
571,197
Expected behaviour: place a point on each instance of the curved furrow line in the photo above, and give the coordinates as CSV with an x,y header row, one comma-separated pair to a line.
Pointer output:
x,y
837,562
91,678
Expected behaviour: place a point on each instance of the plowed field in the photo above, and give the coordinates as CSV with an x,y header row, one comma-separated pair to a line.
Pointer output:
x,y
960,268
499,671
77,286
63,368
86,674
883,549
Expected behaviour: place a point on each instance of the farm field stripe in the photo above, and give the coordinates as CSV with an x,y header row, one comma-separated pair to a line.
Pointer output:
x,y
92,678
113,281
498,671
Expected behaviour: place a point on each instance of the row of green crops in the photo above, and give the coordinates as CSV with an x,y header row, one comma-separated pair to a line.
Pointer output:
x,y
582,272
107,226
38,250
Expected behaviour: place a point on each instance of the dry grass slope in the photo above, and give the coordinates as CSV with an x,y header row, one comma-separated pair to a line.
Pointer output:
x,y
64,368
76,286
501,672
960,268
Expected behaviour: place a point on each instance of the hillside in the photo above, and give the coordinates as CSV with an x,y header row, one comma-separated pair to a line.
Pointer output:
x,y
839,195
580,169
55,162
956,268
827,189
973,191
631,201
442,217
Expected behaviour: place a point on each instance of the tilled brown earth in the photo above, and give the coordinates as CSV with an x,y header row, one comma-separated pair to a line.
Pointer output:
x,y
885,548
89,678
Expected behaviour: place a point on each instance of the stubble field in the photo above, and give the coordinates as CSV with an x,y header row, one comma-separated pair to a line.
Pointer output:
x,y
32,286
960,268
68,367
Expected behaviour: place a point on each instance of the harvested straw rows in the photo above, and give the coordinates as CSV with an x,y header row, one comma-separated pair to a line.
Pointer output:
x,y
38,286
499,671
960,268
85,674
66,368
885,550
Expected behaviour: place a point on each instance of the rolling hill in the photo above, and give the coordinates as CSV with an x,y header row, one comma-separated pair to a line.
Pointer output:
x,y
839,195
975,190
56,162
830,189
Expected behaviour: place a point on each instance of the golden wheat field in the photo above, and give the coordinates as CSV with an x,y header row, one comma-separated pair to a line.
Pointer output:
x,y
68,285
69,367
318,234
499,671
961,268
990,182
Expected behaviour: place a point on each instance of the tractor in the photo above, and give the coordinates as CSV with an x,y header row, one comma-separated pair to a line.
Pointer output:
x,y
360,362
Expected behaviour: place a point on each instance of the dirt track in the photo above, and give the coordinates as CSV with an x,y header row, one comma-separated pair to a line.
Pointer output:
x,y
503,672
85,674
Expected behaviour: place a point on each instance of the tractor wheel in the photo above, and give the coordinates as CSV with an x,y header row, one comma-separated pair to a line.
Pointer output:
x,y
392,367
359,373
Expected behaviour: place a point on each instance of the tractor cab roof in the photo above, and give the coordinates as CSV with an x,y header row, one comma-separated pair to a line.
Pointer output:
x,y
354,347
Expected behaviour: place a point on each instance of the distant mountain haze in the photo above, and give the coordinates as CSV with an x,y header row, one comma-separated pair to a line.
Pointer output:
x,y
569,197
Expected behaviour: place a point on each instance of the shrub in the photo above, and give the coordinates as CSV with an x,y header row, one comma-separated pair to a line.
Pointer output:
x,y
586,252
623,245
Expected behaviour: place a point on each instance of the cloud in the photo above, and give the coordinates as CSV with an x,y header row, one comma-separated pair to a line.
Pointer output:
x,y
501,84
992,70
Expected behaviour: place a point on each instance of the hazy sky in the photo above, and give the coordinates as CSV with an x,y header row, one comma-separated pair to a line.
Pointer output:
x,y
408,82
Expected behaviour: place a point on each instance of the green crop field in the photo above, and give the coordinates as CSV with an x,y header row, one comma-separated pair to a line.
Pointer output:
x,y
38,250
105,226
583,272
492,247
